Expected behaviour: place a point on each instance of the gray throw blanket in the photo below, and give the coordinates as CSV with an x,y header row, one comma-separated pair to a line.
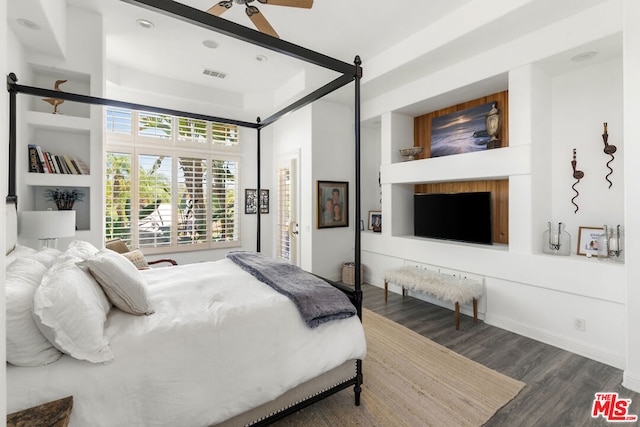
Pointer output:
x,y
317,301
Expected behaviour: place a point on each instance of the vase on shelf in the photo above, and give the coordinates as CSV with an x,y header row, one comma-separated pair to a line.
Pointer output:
x,y
610,244
556,241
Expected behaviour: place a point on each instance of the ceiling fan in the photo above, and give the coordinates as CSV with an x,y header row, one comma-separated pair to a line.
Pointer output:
x,y
254,13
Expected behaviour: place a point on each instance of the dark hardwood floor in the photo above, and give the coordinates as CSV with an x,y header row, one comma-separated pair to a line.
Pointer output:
x,y
560,386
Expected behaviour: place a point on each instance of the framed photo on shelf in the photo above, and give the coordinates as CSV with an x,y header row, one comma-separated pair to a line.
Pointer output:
x,y
588,240
375,221
333,204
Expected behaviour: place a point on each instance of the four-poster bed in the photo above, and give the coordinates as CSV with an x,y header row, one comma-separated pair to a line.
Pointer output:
x,y
349,371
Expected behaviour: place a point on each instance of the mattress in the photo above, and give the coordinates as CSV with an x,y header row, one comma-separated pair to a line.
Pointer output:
x,y
219,343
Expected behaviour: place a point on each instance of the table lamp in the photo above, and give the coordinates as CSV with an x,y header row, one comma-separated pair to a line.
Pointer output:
x,y
47,226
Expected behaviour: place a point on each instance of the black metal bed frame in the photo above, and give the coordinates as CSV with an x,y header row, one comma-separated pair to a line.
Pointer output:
x,y
349,73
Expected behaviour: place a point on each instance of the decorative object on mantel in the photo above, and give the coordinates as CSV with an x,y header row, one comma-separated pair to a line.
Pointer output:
x,y
608,149
47,226
578,175
64,199
556,240
493,126
55,101
410,153
610,244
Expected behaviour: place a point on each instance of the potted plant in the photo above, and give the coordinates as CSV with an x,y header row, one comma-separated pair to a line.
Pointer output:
x,y
64,199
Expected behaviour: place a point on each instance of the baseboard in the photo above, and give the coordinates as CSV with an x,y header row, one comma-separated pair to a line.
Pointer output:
x,y
599,354
631,381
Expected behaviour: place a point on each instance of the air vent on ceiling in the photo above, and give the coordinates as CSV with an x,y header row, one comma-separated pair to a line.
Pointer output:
x,y
214,73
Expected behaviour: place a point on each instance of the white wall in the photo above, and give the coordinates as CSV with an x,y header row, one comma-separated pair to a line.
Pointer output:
x,y
554,107
333,157
631,50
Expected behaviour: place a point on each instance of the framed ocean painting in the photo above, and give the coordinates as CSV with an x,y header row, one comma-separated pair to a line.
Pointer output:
x,y
463,131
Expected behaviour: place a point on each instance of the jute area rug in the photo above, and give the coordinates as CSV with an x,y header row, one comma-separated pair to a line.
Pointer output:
x,y
411,381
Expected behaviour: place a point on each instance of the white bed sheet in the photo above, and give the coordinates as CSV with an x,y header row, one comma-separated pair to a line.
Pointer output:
x,y
220,343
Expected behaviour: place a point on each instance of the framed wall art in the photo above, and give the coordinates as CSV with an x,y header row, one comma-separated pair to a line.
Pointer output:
x,y
333,204
462,131
375,221
588,240
250,201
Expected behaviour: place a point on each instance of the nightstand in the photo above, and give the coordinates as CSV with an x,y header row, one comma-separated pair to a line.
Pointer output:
x,y
51,414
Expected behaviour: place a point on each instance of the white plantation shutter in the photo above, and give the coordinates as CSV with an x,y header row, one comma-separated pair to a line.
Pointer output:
x,y
224,190
118,196
155,125
182,176
222,134
119,121
154,200
192,201
192,130
284,209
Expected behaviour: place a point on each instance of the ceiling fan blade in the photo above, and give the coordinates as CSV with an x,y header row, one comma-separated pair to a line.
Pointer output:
x,y
220,8
291,3
260,21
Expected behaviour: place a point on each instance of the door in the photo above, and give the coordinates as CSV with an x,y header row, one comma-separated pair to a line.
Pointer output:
x,y
288,227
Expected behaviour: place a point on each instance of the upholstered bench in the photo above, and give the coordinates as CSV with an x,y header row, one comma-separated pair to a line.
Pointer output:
x,y
441,286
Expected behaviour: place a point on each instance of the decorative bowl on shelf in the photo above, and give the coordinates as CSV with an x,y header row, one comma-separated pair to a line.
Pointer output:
x,y
410,153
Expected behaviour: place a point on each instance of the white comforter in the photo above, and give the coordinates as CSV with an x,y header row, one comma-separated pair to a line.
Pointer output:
x,y
220,343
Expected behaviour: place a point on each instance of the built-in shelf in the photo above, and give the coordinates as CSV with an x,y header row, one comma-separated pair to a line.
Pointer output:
x,y
499,163
57,180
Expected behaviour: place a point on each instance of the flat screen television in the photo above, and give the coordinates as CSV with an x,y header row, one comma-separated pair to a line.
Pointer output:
x,y
464,217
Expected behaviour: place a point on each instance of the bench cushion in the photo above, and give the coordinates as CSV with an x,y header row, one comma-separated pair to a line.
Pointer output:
x,y
442,286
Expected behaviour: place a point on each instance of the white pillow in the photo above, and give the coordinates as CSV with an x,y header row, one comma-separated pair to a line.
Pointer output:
x,y
70,309
46,256
26,346
81,249
121,281
18,251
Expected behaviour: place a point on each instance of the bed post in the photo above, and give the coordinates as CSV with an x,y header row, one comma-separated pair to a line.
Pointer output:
x,y
358,288
11,83
258,154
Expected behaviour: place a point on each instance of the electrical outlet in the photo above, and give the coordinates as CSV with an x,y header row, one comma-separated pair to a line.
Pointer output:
x,y
580,324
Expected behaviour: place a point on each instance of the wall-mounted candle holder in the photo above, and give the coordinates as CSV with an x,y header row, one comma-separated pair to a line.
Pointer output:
x,y
610,244
556,241
608,149
577,175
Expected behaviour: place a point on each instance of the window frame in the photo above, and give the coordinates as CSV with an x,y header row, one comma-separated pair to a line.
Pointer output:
x,y
136,145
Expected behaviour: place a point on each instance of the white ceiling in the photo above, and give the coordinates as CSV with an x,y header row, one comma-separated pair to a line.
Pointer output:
x,y
372,29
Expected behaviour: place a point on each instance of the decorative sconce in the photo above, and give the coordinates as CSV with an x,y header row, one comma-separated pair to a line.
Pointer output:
x,y
610,244
578,175
556,240
608,149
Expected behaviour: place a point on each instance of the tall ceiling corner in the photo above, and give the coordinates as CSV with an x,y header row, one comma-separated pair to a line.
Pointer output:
x,y
40,25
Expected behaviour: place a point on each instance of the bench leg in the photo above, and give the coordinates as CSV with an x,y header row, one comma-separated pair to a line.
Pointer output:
x,y
404,292
386,290
475,310
457,316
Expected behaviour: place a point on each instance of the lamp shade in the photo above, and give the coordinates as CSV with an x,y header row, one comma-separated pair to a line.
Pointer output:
x,y
47,224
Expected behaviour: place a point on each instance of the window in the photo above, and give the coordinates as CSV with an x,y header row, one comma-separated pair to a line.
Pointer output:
x,y
171,182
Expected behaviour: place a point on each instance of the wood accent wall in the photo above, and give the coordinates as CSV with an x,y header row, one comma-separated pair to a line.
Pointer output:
x,y
499,188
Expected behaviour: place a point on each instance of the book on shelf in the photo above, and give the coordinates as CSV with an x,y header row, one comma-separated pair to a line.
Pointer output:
x,y
43,162
46,162
34,161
